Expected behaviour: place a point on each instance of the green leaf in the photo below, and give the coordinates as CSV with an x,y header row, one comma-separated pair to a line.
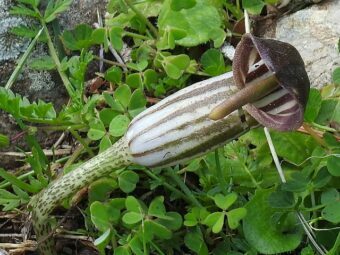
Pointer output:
x,y
313,105
23,10
336,75
281,199
215,221
131,218
198,30
258,223
157,229
28,32
132,204
98,36
330,196
4,141
134,80
174,66
213,62
54,8
100,216
78,38
42,63
139,66
224,202
122,250
137,102
114,74
253,6
33,3
322,178
106,115
127,181
8,200
298,183
113,103
333,165
119,125
157,207
178,5
329,112
105,143
101,189
97,130
235,216
123,94
195,216
116,37
171,220
195,242
292,146
102,241
331,212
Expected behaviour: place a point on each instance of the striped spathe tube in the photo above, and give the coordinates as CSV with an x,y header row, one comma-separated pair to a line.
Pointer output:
x,y
179,127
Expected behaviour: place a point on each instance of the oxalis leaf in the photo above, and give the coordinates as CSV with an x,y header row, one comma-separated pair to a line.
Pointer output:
x,y
199,30
260,231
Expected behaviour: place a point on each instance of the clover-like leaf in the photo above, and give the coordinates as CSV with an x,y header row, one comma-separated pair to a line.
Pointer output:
x,y
156,207
224,202
123,94
215,221
114,74
175,65
333,165
213,62
127,181
253,6
97,130
100,216
119,125
132,218
235,216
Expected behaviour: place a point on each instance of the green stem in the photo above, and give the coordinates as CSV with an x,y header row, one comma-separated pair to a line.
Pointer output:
x,y
142,17
42,204
17,182
137,36
59,128
183,187
325,128
166,185
110,62
82,141
56,60
22,60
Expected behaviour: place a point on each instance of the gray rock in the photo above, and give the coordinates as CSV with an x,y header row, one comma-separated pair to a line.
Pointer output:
x,y
44,85
315,32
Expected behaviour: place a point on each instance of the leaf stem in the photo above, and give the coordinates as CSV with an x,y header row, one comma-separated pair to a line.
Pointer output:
x,y
183,187
17,182
82,141
56,60
23,60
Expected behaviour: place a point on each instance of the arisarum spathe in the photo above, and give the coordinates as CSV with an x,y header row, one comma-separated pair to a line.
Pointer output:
x,y
268,78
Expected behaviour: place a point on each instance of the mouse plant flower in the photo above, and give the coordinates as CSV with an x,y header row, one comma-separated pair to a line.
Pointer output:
x,y
268,79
